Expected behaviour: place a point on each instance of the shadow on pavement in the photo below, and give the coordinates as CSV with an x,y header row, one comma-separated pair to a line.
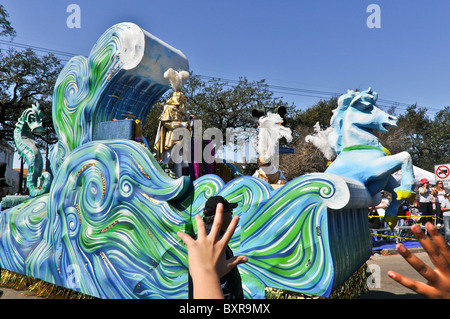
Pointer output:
x,y
388,295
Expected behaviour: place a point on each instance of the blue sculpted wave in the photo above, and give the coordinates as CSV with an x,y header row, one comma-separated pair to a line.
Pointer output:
x,y
112,219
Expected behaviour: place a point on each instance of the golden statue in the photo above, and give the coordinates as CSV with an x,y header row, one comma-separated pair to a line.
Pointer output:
x,y
174,116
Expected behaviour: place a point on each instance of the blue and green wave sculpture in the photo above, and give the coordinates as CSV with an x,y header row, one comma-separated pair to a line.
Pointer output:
x,y
107,225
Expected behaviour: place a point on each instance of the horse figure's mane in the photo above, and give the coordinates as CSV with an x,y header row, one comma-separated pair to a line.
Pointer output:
x,y
344,102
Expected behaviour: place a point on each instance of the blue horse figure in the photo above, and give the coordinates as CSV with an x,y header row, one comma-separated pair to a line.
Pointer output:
x,y
361,156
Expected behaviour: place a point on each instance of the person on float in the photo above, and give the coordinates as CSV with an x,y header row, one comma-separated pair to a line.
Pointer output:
x,y
270,173
174,115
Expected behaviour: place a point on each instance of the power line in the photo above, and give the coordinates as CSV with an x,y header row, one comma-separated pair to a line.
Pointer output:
x,y
274,88
25,46
319,94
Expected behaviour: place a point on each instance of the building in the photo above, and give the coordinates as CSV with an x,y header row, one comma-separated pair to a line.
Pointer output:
x,y
12,176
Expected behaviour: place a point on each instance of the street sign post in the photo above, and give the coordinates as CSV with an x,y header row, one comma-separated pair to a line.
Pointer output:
x,y
442,173
287,150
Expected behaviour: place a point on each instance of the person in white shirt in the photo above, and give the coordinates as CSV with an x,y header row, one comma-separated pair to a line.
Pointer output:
x,y
439,196
445,207
383,205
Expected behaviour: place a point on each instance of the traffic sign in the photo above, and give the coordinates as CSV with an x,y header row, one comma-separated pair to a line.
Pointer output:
x,y
287,150
442,171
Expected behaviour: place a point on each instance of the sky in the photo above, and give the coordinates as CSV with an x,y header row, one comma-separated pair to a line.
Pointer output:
x,y
310,48
306,50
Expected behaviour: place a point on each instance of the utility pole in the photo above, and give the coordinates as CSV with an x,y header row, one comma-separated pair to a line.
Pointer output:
x,y
21,176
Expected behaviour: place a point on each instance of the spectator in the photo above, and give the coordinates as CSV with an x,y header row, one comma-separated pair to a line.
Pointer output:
x,y
438,279
217,227
439,196
425,204
382,206
374,219
445,207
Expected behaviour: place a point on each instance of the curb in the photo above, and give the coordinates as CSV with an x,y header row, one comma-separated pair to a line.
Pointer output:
x,y
387,252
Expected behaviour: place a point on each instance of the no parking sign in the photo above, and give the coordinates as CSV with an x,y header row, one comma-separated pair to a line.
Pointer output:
x,y
443,173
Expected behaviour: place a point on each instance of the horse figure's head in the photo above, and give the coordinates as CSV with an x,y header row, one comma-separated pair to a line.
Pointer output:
x,y
356,119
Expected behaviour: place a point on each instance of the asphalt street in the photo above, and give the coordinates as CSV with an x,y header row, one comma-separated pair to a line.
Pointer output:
x,y
383,287
16,294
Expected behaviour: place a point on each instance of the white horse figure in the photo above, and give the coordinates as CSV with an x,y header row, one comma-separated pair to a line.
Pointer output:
x,y
360,154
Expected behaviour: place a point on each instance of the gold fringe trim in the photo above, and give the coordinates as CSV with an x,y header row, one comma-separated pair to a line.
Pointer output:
x,y
14,280
38,287
352,288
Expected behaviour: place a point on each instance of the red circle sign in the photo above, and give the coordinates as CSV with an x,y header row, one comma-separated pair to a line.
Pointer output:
x,y
442,172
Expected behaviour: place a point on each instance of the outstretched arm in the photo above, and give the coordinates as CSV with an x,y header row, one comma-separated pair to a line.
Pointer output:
x,y
204,256
438,285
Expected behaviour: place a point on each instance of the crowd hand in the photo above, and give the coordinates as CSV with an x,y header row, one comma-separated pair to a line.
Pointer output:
x,y
438,285
205,258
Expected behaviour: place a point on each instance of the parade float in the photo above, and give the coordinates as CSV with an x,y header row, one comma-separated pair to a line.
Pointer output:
x,y
103,223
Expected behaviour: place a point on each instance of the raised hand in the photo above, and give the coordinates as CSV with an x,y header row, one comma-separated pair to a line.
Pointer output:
x,y
438,279
206,258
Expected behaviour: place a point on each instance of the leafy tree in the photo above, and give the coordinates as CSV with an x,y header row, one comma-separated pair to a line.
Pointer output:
x,y
307,157
320,112
441,135
150,126
223,105
26,78
411,135
426,139
5,26
219,104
